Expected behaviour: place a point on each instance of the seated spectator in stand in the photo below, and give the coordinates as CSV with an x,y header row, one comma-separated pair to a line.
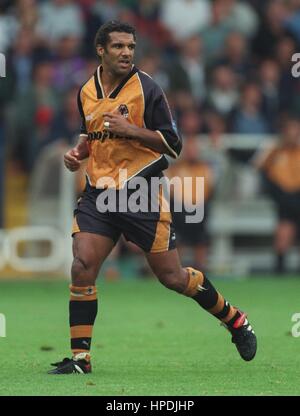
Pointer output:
x,y
289,85
59,18
32,114
8,26
271,29
249,118
292,23
214,36
23,59
64,127
190,123
280,167
27,14
242,17
187,71
2,170
216,127
185,17
223,93
149,24
236,56
181,102
152,64
269,78
107,9
69,65
187,194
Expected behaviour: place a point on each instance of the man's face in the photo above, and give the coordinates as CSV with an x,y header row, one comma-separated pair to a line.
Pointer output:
x,y
118,54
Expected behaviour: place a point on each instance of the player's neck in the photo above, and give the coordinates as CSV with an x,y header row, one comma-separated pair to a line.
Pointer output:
x,y
110,80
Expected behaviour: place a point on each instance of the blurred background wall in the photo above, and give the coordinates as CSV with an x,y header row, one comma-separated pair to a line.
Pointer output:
x,y
226,66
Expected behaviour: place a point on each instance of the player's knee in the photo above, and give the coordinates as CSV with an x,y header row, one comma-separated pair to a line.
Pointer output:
x,y
172,279
82,272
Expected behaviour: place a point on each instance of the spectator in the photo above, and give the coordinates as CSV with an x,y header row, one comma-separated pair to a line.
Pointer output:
x,y
285,49
2,172
193,15
59,18
223,94
271,29
242,17
181,102
187,72
269,76
8,27
216,127
190,123
107,9
69,66
187,194
280,169
149,24
152,64
214,36
249,118
27,14
64,127
236,56
292,22
32,114
23,59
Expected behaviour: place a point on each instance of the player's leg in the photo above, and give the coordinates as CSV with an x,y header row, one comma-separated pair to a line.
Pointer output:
x,y
90,251
194,284
284,238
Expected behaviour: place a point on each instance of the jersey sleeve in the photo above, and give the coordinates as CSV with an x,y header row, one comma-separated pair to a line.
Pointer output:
x,y
158,117
83,129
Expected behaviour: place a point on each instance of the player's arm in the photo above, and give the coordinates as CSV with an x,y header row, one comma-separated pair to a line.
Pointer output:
x,y
120,126
74,156
148,138
160,131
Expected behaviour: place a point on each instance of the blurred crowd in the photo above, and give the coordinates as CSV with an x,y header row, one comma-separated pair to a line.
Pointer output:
x,y
224,64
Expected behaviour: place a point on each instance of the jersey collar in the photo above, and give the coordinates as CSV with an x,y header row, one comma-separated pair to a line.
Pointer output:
x,y
115,92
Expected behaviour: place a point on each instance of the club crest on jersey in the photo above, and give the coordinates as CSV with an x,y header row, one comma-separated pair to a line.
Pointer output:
x,y
123,110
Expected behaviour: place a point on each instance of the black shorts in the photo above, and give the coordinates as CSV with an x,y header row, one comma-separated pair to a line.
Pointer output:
x,y
151,231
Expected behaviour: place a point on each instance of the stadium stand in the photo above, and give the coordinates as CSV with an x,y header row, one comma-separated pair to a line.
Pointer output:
x,y
228,76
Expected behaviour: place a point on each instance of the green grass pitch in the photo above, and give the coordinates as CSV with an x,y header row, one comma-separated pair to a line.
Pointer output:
x,y
150,341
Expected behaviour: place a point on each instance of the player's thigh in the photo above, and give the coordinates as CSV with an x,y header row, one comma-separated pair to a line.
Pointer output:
x,y
91,250
165,263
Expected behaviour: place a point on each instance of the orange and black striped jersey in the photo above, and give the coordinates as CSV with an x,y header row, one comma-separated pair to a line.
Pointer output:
x,y
143,103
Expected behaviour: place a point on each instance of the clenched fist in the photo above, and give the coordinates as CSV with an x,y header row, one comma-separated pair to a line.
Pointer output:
x,y
72,159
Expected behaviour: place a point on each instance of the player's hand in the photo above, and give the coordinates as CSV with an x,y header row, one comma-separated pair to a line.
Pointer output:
x,y
117,124
72,159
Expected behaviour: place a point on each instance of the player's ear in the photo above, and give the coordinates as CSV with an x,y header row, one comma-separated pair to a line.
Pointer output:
x,y
100,50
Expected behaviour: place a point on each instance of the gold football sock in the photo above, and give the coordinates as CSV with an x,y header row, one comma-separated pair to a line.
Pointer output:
x,y
203,292
83,311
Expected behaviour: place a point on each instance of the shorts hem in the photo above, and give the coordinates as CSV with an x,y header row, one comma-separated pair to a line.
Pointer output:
x,y
164,250
103,234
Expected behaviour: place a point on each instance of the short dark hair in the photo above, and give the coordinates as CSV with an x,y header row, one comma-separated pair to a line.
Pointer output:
x,y
102,35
